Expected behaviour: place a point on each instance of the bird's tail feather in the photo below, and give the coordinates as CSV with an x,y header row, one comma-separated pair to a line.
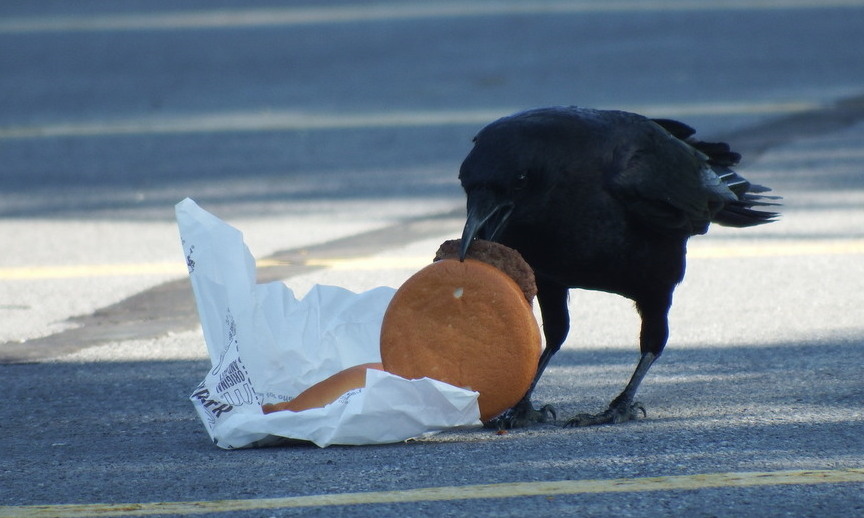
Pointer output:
x,y
741,212
721,159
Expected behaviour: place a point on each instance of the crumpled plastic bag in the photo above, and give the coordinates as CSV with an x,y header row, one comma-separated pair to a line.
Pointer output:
x,y
267,346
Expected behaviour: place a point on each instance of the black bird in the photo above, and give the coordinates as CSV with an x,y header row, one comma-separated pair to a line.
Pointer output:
x,y
601,200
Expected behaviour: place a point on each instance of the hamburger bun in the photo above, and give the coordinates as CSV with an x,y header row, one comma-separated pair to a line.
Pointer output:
x,y
326,391
467,324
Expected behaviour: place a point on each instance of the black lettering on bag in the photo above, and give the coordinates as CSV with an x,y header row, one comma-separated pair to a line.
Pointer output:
x,y
219,408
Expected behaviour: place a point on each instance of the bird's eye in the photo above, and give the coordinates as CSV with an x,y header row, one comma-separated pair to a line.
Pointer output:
x,y
521,180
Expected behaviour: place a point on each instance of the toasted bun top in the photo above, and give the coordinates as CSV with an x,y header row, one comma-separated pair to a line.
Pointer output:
x,y
504,258
467,324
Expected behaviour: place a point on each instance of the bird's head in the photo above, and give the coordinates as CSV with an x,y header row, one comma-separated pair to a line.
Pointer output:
x,y
506,175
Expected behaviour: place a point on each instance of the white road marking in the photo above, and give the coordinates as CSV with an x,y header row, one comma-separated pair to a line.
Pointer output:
x,y
233,18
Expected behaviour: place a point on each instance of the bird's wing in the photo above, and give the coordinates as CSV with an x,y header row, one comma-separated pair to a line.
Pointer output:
x,y
665,183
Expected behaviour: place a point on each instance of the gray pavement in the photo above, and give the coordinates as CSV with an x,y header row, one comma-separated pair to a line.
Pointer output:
x,y
335,132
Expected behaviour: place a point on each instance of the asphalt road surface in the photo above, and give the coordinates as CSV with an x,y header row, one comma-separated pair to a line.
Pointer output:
x,y
333,133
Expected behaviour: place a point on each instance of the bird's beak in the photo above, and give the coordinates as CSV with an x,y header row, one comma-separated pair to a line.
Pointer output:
x,y
486,219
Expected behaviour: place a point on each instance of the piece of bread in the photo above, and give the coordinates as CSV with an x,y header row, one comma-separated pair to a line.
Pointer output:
x,y
326,391
467,324
504,258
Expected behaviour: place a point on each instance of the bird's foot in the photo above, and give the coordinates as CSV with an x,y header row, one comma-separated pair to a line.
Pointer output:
x,y
523,414
618,412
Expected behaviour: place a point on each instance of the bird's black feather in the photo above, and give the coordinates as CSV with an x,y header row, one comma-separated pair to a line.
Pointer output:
x,y
604,200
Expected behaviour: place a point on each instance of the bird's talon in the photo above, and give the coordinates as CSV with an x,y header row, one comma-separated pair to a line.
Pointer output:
x,y
522,415
616,413
550,410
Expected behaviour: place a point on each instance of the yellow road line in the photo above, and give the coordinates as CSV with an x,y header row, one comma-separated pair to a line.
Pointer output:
x,y
21,273
788,248
287,120
373,263
449,493
257,120
783,248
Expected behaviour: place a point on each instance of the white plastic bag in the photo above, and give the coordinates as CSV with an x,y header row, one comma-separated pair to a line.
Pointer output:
x,y
266,346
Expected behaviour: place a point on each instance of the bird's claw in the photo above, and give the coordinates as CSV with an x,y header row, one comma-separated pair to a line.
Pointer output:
x,y
521,416
616,413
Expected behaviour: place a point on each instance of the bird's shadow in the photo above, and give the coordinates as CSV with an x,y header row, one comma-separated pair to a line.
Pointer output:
x,y
771,377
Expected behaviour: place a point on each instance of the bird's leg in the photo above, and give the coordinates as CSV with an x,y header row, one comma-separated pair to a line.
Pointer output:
x,y
655,331
552,298
622,408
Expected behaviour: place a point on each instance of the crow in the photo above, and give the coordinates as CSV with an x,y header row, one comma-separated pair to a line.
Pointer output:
x,y
601,200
